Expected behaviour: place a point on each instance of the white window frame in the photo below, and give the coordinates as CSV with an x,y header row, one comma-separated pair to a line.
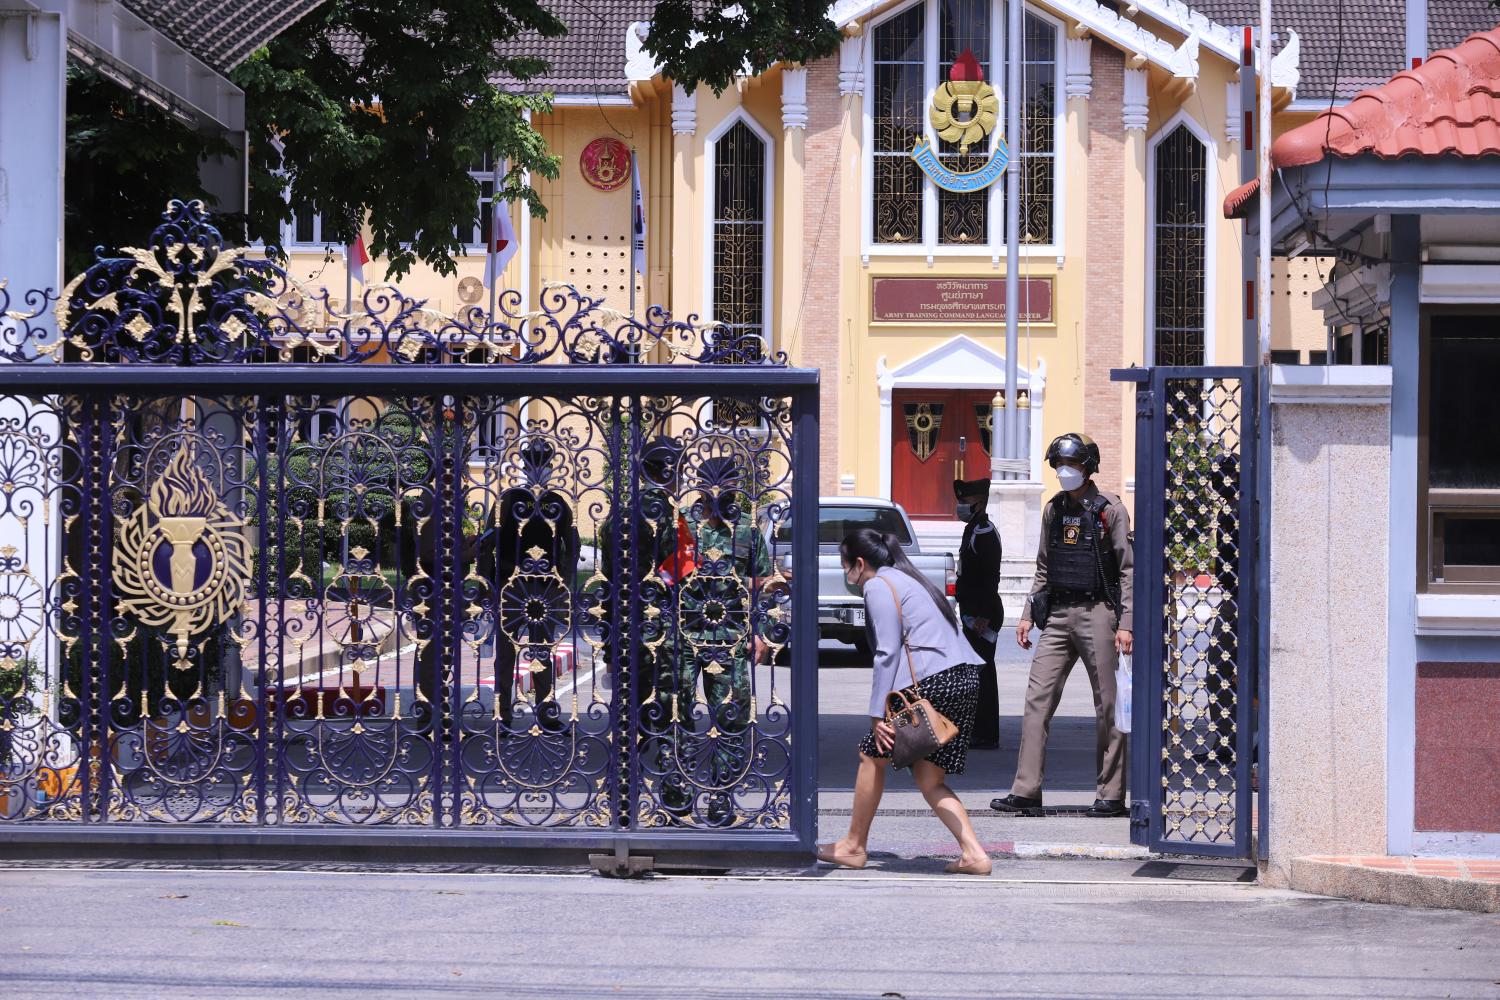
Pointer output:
x,y
710,145
476,233
289,238
994,248
710,161
1210,233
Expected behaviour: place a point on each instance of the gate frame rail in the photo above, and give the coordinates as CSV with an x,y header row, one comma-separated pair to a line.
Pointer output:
x,y
799,385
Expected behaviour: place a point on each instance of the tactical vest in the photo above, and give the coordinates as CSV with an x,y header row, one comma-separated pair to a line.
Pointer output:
x,y
1079,554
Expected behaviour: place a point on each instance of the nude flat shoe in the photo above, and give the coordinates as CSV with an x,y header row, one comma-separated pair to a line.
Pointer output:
x,y
972,868
826,854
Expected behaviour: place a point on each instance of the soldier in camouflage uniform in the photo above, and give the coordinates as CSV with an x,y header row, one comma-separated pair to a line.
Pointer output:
x,y
726,560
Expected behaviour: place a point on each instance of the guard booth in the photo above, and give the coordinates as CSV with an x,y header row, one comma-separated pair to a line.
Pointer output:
x,y
280,573
1196,725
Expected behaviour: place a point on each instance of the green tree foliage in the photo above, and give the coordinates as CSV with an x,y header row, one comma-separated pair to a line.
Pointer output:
x,y
711,44
376,110
125,159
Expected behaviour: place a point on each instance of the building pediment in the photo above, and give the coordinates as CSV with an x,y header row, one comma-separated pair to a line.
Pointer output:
x,y
958,363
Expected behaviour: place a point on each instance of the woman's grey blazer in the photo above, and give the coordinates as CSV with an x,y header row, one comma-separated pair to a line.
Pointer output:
x,y
935,644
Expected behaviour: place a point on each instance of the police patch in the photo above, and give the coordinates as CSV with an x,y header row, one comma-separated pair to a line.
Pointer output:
x,y
1072,528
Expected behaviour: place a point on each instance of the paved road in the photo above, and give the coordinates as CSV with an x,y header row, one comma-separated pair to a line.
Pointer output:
x,y
1045,929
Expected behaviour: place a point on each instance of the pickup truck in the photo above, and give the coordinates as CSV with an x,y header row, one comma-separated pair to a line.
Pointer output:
x,y
841,615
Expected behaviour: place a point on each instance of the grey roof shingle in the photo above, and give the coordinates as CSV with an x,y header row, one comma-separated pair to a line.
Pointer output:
x,y
589,60
1451,21
221,32
1374,36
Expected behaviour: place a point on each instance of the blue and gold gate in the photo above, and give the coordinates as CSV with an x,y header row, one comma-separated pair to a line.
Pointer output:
x,y
272,567
1197,707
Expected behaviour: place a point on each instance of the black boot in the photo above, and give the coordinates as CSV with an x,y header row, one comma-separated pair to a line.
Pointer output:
x,y
1105,808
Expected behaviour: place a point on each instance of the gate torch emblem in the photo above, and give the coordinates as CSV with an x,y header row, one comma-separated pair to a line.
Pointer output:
x,y
181,561
964,111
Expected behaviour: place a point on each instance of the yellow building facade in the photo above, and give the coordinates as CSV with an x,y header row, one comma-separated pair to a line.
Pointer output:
x,y
790,204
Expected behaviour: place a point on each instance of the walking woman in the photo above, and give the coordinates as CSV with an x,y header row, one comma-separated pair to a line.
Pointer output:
x,y
903,608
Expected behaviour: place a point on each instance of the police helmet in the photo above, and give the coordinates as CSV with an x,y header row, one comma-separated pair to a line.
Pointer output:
x,y
1074,447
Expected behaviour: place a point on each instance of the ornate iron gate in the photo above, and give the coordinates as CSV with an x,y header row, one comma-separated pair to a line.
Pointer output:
x,y
1197,621
272,565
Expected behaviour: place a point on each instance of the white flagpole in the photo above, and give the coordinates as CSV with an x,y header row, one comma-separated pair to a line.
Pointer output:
x,y
490,263
1015,24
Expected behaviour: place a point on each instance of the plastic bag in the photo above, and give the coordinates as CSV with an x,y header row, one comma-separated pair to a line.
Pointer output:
x,y
1123,687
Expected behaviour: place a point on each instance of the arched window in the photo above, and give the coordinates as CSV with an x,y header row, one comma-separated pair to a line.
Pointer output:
x,y
739,235
907,62
1179,247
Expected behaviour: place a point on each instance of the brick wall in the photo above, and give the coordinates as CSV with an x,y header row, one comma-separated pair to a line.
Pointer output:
x,y
1458,747
1104,308
819,331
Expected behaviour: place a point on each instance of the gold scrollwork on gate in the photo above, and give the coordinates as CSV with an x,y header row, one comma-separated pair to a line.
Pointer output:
x,y
181,560
923,422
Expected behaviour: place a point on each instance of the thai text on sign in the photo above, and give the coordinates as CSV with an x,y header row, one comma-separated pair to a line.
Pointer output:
x,y
957,300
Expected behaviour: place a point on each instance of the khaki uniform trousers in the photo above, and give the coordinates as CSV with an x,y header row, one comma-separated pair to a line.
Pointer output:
x,y
1074,632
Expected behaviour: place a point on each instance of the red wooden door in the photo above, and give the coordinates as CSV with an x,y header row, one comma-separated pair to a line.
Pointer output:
x,y
928,427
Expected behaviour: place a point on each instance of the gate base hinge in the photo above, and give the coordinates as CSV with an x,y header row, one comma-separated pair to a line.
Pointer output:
x,y
1139,815
622,866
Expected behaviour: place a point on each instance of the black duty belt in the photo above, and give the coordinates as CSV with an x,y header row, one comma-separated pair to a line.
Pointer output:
x,y
1076,596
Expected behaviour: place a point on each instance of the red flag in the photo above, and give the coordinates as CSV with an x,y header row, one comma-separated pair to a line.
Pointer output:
x,y
684,558
357,258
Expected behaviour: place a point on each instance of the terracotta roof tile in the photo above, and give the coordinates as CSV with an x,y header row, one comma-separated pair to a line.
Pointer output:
x,y
1445,107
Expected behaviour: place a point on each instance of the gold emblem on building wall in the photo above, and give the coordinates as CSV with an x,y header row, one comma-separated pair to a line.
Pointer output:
x,y
180,561
964,110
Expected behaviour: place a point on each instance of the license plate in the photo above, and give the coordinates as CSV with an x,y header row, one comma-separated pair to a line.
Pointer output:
x,y
857,617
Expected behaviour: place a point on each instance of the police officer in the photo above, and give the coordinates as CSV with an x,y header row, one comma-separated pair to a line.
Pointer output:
x,y
979,605
1081,600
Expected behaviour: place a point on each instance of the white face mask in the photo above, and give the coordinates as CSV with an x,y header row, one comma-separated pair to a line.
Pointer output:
x,y
1070,477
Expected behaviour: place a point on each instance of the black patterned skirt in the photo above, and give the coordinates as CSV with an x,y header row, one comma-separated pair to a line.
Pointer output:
x,y
955,693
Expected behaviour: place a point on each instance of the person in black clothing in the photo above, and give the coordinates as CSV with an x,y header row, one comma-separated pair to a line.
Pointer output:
x,y
979,605
535,566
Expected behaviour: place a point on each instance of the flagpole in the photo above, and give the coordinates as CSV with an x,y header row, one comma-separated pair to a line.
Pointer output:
x,y
635,192
489,250
1015,24
349,277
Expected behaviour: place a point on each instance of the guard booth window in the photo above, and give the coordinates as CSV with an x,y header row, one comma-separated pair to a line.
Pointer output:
x,y
1461,454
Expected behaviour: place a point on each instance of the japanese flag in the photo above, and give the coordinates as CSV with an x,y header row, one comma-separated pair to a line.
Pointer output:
x,y
357,257
502,242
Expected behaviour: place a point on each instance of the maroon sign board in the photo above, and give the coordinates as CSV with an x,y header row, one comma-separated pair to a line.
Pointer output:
x,y
957,300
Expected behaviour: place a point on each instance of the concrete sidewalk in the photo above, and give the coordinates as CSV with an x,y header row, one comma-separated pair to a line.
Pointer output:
x,y
1447,883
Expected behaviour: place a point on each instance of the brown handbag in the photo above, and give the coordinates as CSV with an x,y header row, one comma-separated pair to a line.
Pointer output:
x,y
921,730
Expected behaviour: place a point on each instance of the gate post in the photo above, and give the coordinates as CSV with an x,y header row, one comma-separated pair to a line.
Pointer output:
x,y
1148,625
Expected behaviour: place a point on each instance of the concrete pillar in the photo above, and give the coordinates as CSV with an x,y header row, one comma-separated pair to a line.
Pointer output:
x,y
686,239
1330,443
792,235
33,94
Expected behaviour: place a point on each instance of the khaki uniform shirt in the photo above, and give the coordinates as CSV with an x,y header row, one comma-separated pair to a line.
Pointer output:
x,y
1117,520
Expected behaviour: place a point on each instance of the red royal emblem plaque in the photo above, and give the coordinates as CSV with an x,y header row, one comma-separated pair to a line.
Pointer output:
x,y
605,163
